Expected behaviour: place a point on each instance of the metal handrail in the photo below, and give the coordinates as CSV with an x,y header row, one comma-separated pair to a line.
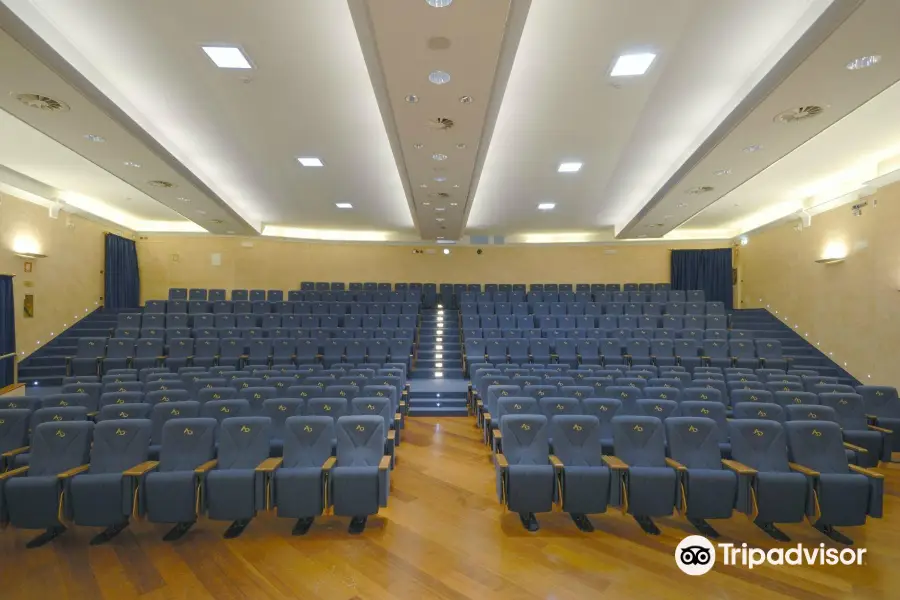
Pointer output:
x,y
13,356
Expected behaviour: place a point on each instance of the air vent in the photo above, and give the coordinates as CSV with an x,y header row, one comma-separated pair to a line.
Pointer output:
x,y
42,102
438,195
441,123
800,113
700,190
161,184
216,221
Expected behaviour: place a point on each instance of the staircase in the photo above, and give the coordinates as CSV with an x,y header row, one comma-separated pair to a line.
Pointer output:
x,y
438,387
47,366
763,324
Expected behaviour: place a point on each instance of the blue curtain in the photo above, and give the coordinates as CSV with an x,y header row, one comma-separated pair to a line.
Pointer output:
x,y
122,279
707,270
7,329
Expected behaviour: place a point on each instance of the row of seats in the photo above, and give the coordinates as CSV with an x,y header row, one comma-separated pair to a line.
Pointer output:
x,y
634,351
593,310
585,297
100,355
99,475
264,307
622,333
588,322
777,473
269,321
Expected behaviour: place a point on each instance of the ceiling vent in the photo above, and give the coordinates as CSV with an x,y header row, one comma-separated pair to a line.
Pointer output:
x,y
441,123
438,195
161,184
42,102
801,113
703,189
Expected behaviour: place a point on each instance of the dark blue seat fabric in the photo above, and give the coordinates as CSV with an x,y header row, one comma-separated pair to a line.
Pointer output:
x,y
360,479
300,484
714,411
234,488
708,490
104,496
850,412
583,477
647,488
604,409
526,482
759,410
883,403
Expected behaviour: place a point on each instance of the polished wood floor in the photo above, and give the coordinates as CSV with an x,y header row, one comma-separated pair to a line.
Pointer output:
x,y
443,536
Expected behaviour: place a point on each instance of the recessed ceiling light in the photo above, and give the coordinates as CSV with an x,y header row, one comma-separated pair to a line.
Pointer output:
x,y
344,205
311,162
183,199
465,99
629,65
863,62
418,146
440,179
423,185
446,250
412,98
643,235
440,209
227,57
721,172
439,3
439,156
439,77
440,219
456,185
128,163
753,148
94,138
426,204
230,232
681,205
201,212
546,206
666,217
460,146
454,204
569,167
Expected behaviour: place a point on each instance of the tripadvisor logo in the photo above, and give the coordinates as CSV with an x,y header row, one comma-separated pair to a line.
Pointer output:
x,y
696,555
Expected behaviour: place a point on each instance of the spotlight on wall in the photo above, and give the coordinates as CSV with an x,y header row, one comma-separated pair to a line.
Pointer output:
x,y
446,250
744,241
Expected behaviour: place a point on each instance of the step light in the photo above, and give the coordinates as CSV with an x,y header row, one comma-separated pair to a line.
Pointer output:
x,y
439,355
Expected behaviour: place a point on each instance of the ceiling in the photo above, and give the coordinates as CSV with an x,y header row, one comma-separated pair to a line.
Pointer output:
x,y
530,87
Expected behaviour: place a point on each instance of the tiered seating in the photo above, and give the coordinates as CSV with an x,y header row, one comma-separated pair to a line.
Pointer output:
x,y
173,445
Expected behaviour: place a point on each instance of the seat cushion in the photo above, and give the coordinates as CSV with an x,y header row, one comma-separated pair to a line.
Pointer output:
x,y
781,497
299,492
843,499
529,488
651,491
100,500
585,489
231,494
711,493
33,502
171,497
355,491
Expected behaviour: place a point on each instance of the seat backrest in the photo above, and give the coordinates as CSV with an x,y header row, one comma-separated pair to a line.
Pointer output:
x,y
14,423
360,440
119,445
553,406
517,405
161,413
526,439
187,444
810,412
328,407
793,398
849,409
639,440
759,444
819,446
59,446
759,410
225,409
880,400
308,441
243,442
576,440
694,442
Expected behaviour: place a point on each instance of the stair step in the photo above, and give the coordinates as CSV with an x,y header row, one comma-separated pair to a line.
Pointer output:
x,y
43,381
438,412
445,353
26,372
431,373
45,360
427,401
446,363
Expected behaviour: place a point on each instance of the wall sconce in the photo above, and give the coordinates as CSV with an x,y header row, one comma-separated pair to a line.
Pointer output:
x,y
30,255
833,253
831,261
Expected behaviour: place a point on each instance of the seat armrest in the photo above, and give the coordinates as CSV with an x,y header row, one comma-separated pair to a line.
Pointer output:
x,y
675,464
614,462
270,464
554,460
73,471
13,473
205,467
801,469
329,462
141,469
392,435
854,447
739,468
486,416
385,463
15,451
501,461
881,429
866,472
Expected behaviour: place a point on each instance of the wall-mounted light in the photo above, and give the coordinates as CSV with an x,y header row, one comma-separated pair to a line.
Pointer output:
x,y
830,261
833,253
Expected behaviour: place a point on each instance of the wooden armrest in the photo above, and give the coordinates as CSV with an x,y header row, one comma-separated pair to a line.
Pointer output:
x,y
329,462
15,451
486,416
854,447
866,472
13,473
270,464
73,471
397,416
501,461
801,469
614,462
392,435
205,467
739,468
385,463
554,460
144,467
881,429
675,464
498,435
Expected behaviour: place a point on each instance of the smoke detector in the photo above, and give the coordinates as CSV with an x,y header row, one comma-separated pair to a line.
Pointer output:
x,y
801,113
45,103
441,123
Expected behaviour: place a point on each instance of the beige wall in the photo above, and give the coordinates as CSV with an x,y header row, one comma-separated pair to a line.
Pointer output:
x,y
186,261
65,283
852,309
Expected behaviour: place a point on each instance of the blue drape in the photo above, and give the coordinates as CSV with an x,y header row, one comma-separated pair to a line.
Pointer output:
x,y
7,329
707,270
122,279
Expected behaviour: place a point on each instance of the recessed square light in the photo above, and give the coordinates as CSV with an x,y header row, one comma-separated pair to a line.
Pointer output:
x,y
629,65
311,161
546,206
344,205
227,57
569,167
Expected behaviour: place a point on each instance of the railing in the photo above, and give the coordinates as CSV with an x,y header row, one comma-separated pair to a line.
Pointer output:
x,y
12,356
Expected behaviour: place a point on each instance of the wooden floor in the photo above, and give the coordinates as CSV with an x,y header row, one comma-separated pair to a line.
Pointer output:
x,y
443,536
